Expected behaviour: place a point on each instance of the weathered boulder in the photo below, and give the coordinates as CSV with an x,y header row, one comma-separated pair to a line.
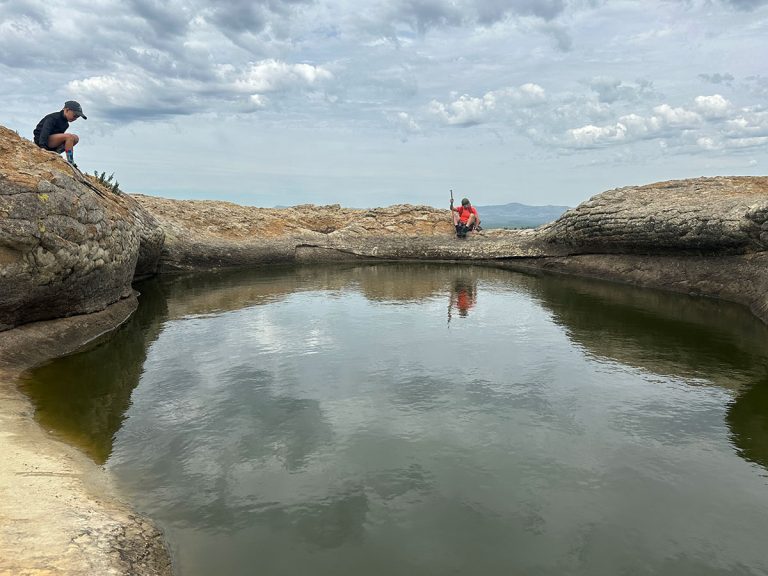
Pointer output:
x,y
703,215
67,245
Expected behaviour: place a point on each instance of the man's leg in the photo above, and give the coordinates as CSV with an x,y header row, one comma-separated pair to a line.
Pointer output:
x,y
69,141
471,221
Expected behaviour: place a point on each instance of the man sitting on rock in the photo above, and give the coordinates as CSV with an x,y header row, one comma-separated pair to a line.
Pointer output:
x,y
465,218
51,132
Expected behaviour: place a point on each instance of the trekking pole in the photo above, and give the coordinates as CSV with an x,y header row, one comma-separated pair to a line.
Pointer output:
x,y
454,216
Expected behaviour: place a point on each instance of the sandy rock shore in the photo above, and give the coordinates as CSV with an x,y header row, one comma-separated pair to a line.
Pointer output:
x,y
58,510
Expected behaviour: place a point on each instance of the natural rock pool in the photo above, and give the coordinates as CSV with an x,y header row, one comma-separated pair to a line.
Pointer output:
x,y
429,419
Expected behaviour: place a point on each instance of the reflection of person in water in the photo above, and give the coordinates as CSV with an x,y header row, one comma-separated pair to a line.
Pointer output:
x,y
463,296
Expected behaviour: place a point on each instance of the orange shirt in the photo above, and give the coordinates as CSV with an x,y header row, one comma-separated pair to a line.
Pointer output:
x,y
464,213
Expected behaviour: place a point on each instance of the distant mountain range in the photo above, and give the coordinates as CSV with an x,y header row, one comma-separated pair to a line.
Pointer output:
x,y
514,215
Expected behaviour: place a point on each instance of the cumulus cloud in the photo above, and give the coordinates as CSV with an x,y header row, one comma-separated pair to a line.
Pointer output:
x,y
465,111
714,106
468,110
676,117
235,17
589,136
712,123
747,123
665,121
135,97
528,93
404,69
139,96
272,75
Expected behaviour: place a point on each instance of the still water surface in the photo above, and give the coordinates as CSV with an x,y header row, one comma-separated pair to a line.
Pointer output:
x,y
405,419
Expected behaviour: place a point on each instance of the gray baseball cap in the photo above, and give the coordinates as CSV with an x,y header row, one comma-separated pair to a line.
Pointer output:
x,y
76,108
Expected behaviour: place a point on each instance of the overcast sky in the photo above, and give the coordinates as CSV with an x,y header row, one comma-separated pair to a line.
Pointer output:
x,y
376,102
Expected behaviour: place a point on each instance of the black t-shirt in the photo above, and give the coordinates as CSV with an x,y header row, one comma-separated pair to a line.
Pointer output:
x,y
54,123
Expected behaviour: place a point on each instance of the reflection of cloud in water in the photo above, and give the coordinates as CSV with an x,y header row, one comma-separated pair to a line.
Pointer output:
x,y
339,517
418,392
208,440
391,483
697,420
528,398
327,523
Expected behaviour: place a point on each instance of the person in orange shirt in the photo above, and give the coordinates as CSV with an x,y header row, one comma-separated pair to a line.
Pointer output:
x,y
465,218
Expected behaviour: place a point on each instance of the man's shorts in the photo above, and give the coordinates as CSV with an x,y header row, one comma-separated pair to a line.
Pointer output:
x,y
462,229
59,149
